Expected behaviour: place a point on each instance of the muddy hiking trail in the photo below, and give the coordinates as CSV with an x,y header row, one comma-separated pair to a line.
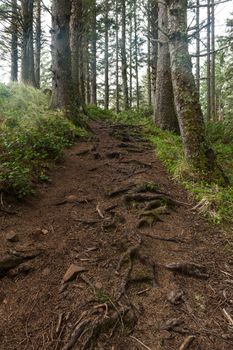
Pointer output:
x,y
111,255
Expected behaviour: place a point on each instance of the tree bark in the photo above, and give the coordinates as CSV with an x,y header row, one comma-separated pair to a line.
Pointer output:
x,y
76,33
213,87
149,54
106,55
208,116
136,55
123,57
87,61
27,51
165,113
154,48
38,43
62,94
14,42
117,61
191,121
131,54
93,55
198,46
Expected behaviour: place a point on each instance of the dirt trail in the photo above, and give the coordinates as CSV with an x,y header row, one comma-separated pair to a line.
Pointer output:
x,y
113,212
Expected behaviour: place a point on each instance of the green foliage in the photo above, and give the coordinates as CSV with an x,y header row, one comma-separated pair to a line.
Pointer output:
x,y
30,137
215,202
97,113
220,136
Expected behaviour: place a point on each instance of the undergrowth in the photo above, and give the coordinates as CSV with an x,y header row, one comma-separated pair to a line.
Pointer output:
x,y
215,202
31,136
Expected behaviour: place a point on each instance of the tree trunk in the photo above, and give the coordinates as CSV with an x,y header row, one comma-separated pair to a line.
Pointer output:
x,y
165,113
136,54
93,55
208,63
213,88
38,43
154,46
106,55
131,55
117,61
197,150
76,29
82,75
62,95
88,91
27,54
149,54
198,46
123,58
14,42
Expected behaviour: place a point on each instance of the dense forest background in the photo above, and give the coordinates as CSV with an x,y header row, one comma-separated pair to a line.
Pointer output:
x,y
210,45
132,59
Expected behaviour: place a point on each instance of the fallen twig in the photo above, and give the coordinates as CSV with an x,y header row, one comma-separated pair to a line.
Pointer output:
x,y
187,342
59,323
143,291
99,211
140,342
228,317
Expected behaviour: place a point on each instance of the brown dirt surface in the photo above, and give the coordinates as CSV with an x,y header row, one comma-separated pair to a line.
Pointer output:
x,y
145,270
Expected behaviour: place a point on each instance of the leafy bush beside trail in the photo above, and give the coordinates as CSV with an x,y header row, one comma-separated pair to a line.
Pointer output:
x,y
30,137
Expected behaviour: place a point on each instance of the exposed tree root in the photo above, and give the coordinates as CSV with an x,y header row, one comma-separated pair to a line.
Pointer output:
x,y
115,192
91,329
114,155
129,256
137,162
189,269
142,197
166,239
8,212
10,261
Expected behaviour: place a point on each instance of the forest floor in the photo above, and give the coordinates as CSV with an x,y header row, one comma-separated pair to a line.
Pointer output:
x,y
112,255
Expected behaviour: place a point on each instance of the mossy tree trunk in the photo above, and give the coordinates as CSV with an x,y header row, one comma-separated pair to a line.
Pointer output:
x,y
165,113
186,98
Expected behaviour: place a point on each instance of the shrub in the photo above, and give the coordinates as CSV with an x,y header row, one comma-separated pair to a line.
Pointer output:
x,y
30,137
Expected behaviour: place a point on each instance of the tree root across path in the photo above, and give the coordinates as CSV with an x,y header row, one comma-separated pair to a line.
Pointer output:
x,y
14,259
86,332
129,258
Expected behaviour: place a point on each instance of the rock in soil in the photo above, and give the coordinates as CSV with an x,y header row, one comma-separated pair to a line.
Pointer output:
x,y
175,297
72,272
12,236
